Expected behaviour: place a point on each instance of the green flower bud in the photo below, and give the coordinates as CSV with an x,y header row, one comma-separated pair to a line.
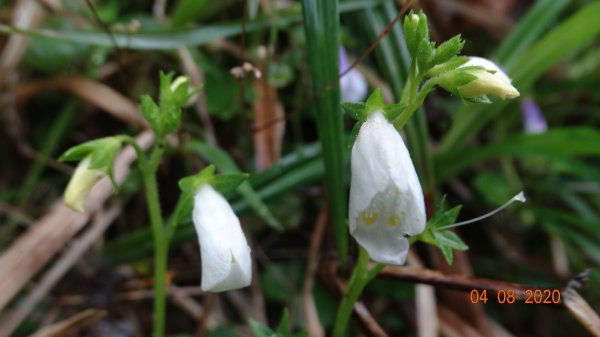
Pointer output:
x,y
81,184
487,83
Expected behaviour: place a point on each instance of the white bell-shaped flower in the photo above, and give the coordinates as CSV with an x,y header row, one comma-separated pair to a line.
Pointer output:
x,y
226,262
386,199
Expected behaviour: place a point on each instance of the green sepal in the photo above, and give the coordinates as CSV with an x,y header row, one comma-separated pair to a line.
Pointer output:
x,y
228,182
452,80
422,27
425,55
450,65
151,113
171,102
445,239
165,117
224,183
410,34
355,110
448,50
484,99
374,103
393,111
103,153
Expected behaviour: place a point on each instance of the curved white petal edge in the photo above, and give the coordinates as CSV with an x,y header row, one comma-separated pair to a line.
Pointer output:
x,y
386,199
489,65
226,261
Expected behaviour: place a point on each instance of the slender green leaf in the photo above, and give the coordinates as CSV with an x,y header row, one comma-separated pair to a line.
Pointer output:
x,y
530,27
168,40
321,26
554,143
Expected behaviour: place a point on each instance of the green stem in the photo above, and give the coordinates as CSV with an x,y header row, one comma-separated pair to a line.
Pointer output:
x,y
161,244
361,276
412,98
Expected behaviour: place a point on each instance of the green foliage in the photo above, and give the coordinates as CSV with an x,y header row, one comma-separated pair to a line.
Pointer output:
x,y
102,153
166,117
445,239
321,26
361,111
282,330
224,183
473,152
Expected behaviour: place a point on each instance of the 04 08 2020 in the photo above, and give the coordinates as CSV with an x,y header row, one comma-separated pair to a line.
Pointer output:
x,y
510,296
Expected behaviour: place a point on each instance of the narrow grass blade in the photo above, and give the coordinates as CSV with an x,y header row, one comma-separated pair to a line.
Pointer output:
x,y
321,26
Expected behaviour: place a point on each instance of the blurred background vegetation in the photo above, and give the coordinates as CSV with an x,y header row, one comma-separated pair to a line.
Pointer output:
x,y
74,70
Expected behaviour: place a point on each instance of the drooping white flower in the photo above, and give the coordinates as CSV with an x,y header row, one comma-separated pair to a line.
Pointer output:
x,y
386,199
497,84
226,262
81,184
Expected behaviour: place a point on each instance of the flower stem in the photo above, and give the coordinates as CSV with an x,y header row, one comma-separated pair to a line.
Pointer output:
x,y
361,276
161,243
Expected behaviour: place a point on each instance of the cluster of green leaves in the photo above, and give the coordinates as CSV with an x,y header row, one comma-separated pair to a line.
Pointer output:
x,y
429,59
436,232
165,117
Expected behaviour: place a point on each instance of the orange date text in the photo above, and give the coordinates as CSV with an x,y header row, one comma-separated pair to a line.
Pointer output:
x,y
510,296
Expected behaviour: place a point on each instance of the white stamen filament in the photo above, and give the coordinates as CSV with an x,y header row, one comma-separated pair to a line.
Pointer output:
x,y
519,197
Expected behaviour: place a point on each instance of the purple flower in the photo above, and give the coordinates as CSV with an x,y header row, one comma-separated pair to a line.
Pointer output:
x,y
353,85
533,119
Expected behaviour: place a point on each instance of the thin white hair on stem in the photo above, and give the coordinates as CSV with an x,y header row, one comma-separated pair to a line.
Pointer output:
x,y
520,197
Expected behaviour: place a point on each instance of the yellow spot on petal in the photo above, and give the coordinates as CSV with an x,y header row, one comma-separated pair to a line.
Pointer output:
x,y
369,218
393,220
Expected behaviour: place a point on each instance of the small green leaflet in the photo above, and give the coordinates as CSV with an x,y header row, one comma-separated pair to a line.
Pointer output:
x,y
445,239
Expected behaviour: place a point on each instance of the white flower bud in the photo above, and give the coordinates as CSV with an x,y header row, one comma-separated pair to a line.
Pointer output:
x,y
81,184
181,80
226,262
414,18
497,84
386,199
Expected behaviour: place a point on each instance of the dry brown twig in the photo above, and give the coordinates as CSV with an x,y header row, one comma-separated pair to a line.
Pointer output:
x,y
95,93
71,325
59,269
309,309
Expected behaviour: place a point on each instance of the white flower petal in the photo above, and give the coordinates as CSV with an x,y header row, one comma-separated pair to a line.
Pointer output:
x,y
386,199
80,185
226,262
486,83
489,65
